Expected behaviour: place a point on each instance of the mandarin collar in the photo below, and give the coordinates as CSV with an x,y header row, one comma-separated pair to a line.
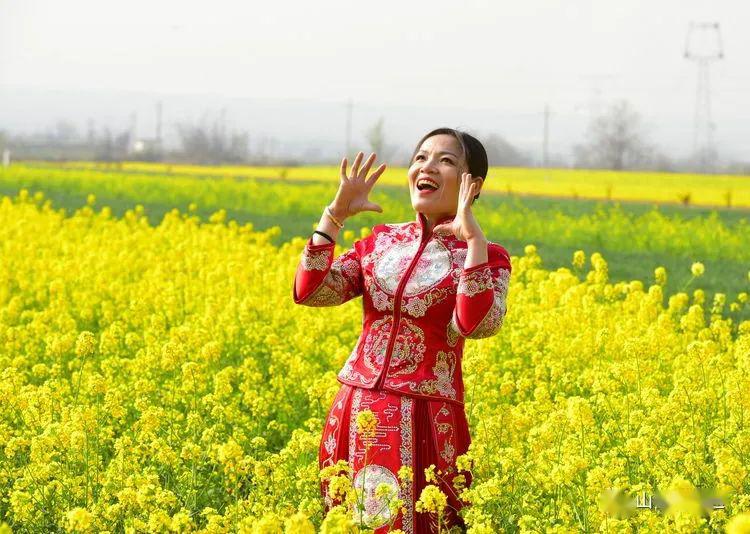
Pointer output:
x,y
422,220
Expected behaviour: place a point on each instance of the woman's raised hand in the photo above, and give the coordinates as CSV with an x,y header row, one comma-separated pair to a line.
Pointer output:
x,y
351,197
464,225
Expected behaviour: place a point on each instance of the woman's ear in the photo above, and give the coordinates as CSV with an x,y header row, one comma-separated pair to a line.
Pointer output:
x,y
479,185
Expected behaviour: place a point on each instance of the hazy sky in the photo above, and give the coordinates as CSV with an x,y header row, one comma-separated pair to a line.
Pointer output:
x,y
508,57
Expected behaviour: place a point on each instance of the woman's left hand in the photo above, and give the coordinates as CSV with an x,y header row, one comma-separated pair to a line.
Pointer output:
x,y
464,226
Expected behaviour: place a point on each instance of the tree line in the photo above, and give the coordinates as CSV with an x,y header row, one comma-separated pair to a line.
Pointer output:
x,y
615,139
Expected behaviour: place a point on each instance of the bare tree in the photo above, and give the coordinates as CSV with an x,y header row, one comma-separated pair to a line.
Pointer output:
x,y
615,140
64,131
210,144
376,136
501,153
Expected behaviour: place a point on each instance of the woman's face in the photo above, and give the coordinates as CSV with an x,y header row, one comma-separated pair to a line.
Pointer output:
x,y
441,162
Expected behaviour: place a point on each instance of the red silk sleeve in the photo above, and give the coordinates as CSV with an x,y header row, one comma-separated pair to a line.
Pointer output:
x,y
481,295
321,280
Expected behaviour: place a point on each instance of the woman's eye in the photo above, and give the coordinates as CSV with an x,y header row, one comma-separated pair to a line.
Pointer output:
x,y
420,156
448,160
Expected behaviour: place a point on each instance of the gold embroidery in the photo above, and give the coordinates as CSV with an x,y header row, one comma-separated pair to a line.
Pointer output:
x,y
493,321
323,296
417,307
341,283
348,372
452,333
445,366
315,260
376,344
380,300
408,350
449,451
407,460
475,282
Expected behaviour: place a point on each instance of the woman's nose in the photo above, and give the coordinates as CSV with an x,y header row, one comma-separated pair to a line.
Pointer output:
x,y
428,165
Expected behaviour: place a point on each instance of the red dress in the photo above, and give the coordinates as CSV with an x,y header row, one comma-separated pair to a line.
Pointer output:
x,y
420,304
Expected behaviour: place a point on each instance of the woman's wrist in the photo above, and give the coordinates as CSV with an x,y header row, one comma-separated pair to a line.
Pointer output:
x,y
338,211
326,225
477,252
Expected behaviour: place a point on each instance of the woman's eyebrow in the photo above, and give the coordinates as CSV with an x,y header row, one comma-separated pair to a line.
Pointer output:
x,y
443,152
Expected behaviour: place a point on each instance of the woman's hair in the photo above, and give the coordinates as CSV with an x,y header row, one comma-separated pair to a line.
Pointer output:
x,y
474,152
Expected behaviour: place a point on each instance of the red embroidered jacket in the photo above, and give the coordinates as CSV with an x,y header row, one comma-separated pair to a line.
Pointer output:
x,y
420,303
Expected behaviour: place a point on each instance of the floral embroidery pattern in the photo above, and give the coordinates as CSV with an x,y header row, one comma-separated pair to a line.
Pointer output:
x,y
433,265
341,283
376,343
493,321
444,425
445,366
376,512
417,306
315,260
452,333
408,350
475,282
380,300
349,372
407,460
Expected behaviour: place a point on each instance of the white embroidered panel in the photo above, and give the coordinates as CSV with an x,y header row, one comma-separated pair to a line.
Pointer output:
x,y
433,266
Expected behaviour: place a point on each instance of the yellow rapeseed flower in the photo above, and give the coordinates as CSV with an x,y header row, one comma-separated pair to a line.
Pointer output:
x,y
85,344
660,274
579,259
78,520
405,474
367,422
432,500
429,474
299,523
697,269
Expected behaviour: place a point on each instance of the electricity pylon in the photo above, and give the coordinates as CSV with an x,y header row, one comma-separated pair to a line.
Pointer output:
x,y
703,45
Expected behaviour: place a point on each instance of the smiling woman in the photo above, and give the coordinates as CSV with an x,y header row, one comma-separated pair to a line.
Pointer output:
x,y
427,286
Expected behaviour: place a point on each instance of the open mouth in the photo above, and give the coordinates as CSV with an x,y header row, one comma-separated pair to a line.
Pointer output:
x,y
425,184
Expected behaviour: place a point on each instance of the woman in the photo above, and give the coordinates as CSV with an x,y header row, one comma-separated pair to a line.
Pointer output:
x,y
427,285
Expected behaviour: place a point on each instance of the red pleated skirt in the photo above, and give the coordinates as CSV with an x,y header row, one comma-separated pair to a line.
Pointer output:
x,y
411,432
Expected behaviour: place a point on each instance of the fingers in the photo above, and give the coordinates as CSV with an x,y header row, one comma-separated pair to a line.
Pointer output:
x,y
343,169
355,165
371,206
373,178
441,229
368,164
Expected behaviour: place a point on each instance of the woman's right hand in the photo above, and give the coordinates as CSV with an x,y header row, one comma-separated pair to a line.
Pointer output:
x,y
351,197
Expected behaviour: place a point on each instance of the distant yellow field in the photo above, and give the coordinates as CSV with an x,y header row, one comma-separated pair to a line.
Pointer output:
x,y
660,187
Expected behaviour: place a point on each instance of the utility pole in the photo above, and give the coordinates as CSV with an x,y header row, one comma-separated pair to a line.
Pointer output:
x,y
133,132
703,45
158,124
545,144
